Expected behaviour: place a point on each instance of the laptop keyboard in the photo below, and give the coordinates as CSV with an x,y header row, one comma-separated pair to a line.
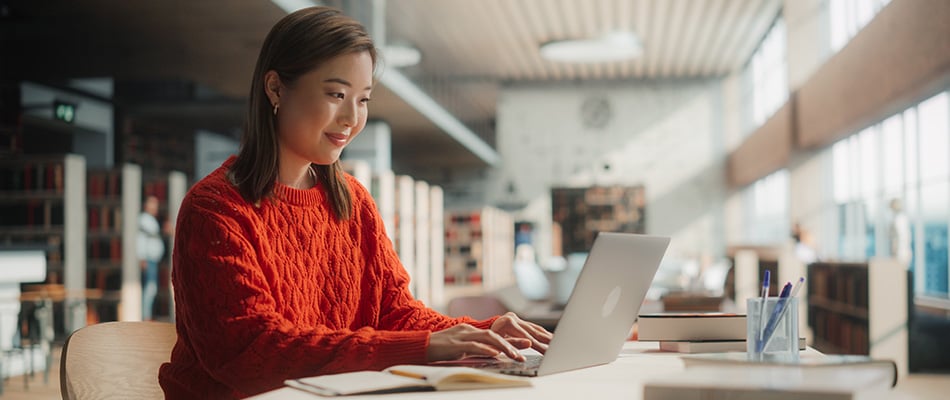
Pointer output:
x,y
528,367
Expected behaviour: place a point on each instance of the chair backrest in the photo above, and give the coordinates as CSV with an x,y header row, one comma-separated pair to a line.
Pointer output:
x,y
116,360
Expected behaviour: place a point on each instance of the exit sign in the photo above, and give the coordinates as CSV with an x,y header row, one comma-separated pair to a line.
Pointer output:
x,y
64,111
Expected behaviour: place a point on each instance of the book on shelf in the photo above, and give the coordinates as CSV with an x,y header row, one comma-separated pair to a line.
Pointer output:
x,y
710,346
691,326
815,376
405,378
33,175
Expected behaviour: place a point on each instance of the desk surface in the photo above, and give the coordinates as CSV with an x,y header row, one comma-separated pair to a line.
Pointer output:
x,y
621,379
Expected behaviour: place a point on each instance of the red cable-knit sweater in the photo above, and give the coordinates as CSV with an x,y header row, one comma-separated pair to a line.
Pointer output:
x,y
286,290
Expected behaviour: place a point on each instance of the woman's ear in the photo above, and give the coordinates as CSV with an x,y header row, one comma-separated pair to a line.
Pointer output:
x,y
272,87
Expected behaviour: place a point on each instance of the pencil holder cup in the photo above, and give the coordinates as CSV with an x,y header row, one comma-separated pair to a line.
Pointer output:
x,y
774,337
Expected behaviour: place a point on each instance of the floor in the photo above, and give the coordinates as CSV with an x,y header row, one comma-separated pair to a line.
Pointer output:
x,y
912,387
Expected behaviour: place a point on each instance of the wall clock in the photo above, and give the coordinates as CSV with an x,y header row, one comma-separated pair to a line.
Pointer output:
x,y
596,112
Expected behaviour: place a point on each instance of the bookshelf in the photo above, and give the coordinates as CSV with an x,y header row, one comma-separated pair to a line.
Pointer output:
x,y
42,206
383,190
113,275
498,234
155,146
422,235
33,207
437,246
463,248
582,212
479,251
420,242
405,227
860,308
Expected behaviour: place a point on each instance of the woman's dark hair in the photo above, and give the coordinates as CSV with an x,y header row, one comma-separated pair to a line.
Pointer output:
x,y
297,44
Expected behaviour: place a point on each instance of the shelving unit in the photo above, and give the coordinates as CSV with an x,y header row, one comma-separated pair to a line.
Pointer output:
x,y
582,212
479,251
422,236
860,308
155,147
113,275
838,306
31,204
463,248
405,227
419,242
42,206
437,246
383,190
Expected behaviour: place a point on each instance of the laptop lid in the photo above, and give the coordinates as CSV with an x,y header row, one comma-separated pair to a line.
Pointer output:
x,y
605,302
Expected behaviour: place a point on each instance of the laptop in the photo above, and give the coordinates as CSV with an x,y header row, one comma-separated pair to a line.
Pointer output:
x,y
602,308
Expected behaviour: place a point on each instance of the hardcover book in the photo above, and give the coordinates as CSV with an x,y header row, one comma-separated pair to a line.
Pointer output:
x,y
691,326
733,376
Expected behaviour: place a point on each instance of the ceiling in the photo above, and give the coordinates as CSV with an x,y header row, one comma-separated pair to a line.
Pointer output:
x,y
470,50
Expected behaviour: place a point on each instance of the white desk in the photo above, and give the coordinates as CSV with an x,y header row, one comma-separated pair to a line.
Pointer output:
x,y
621,379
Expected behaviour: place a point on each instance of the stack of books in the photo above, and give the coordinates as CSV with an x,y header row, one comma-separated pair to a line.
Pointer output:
x,y
694,332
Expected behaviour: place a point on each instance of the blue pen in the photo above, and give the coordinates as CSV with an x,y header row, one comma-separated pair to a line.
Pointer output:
x,y
765,296
798,286
774,317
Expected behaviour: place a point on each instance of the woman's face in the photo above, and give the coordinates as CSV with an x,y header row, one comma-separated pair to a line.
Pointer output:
x,y
324,109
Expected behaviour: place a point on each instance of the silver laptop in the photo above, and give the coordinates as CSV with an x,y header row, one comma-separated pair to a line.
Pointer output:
x,y
602,308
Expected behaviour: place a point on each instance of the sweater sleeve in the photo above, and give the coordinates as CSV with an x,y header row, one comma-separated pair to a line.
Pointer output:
x,y
228,316
400,311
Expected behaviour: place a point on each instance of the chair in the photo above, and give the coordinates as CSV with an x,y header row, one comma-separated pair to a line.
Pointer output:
x,y
477,307
116,360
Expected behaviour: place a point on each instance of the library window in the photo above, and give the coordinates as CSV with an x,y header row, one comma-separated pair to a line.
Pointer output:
x,y
768,69
847,17
767,209
904,158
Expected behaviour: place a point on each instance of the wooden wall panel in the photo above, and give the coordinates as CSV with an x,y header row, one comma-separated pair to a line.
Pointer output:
x,y
902,56
765,151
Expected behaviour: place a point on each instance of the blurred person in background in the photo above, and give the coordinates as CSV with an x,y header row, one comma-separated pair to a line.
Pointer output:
x,y
900,234
151,248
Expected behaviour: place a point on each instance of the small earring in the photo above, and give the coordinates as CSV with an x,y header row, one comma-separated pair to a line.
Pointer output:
x,y
275,108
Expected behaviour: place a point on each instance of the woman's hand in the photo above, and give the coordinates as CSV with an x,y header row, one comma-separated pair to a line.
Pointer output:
x,y
511,327
464,340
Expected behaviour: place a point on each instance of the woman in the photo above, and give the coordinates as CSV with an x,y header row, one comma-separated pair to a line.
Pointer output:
x,y
282,268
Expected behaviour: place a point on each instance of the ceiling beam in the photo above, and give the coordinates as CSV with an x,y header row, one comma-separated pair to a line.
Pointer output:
x,y
395,81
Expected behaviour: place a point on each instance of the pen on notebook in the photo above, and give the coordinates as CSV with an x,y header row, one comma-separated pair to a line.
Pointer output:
x,y
408,374
774,317
798,286
765,296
